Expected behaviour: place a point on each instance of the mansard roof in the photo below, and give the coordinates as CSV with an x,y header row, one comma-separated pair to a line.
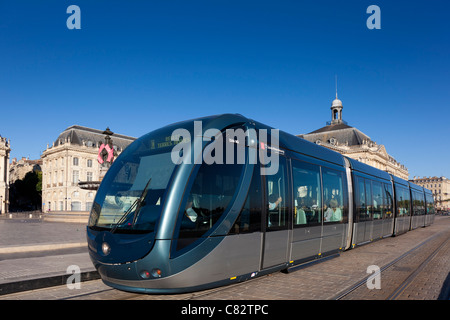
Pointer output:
x,y
342,133
80,135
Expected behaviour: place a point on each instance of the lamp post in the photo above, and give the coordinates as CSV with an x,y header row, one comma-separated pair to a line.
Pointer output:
x,y
105,158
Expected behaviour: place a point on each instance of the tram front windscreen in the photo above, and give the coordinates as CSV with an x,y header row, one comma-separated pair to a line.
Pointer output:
x,y
131,195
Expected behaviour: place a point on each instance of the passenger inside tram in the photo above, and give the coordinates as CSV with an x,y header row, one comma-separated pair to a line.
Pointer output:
x,y
333,212
302,203
274,201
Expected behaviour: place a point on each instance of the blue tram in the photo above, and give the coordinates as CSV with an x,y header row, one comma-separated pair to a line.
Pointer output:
x,y
221,199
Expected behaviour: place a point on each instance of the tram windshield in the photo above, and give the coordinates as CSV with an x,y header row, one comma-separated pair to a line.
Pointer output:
x,y
131,195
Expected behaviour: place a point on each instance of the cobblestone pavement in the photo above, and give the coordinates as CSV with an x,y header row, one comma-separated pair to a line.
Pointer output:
x,y
324,280
418,275
21,231
428,285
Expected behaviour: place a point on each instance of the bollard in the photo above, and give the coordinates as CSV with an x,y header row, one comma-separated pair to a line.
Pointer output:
x,y
10,215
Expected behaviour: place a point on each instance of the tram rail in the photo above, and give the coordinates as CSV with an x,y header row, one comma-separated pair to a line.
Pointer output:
x,y
405,269
418,270
393,290
121,295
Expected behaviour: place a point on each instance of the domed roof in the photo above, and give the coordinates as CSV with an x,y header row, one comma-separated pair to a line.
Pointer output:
x,y
336,103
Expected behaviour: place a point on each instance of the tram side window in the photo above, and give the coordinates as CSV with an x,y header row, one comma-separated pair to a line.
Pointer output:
x,y
333,197
430,204
418,204
277,213
403,201
388,198
307,194
422,203
360,199
249,219
378,206
363,199
369,202
210,194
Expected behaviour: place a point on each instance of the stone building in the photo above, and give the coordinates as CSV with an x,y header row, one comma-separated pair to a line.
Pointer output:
x,y
440,187
337,135
73,158
4,174
19,168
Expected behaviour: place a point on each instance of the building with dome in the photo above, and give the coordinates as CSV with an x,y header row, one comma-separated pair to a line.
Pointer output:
x,y
337,135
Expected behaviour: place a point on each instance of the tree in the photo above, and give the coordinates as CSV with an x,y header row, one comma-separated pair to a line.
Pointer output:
x,y
26,194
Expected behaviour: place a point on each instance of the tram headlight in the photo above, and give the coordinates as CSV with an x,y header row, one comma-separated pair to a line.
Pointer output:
x,y
106,249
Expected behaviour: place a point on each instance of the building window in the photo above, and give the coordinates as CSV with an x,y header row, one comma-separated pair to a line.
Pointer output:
x,y
75,206
75,161
89,176
89,163
75,176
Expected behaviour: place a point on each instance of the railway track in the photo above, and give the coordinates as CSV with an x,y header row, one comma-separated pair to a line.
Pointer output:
x,y
108,293
418,272
398,275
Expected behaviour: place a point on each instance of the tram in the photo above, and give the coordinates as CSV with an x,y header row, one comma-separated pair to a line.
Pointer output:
x,y
221,199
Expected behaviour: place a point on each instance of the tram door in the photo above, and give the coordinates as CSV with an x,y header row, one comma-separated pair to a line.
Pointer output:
x,y
363,225
276,217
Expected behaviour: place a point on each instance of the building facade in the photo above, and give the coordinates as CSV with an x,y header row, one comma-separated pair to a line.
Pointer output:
x,y
4,174
19,168
337,135
440,187
71,159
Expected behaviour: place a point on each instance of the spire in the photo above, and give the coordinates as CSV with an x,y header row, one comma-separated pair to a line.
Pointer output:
x,y
336,108
335,76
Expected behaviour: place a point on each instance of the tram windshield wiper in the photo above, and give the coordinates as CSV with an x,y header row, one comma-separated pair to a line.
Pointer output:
x,y
138,203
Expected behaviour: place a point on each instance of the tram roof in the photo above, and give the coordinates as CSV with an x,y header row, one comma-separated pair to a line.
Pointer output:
x,y
415,186
400,181
365,168
287,141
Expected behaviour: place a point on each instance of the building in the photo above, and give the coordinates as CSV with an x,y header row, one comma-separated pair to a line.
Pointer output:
x,y
19,168
337,135
440,187
73,158
4,174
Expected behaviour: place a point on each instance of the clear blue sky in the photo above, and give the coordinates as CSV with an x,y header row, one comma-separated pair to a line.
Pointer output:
x,y
138,65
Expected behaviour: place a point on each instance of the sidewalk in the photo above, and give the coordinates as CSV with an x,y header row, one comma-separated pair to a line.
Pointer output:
x,y
36,254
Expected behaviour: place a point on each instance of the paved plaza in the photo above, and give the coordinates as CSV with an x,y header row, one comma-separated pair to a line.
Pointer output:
x,y
32,249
